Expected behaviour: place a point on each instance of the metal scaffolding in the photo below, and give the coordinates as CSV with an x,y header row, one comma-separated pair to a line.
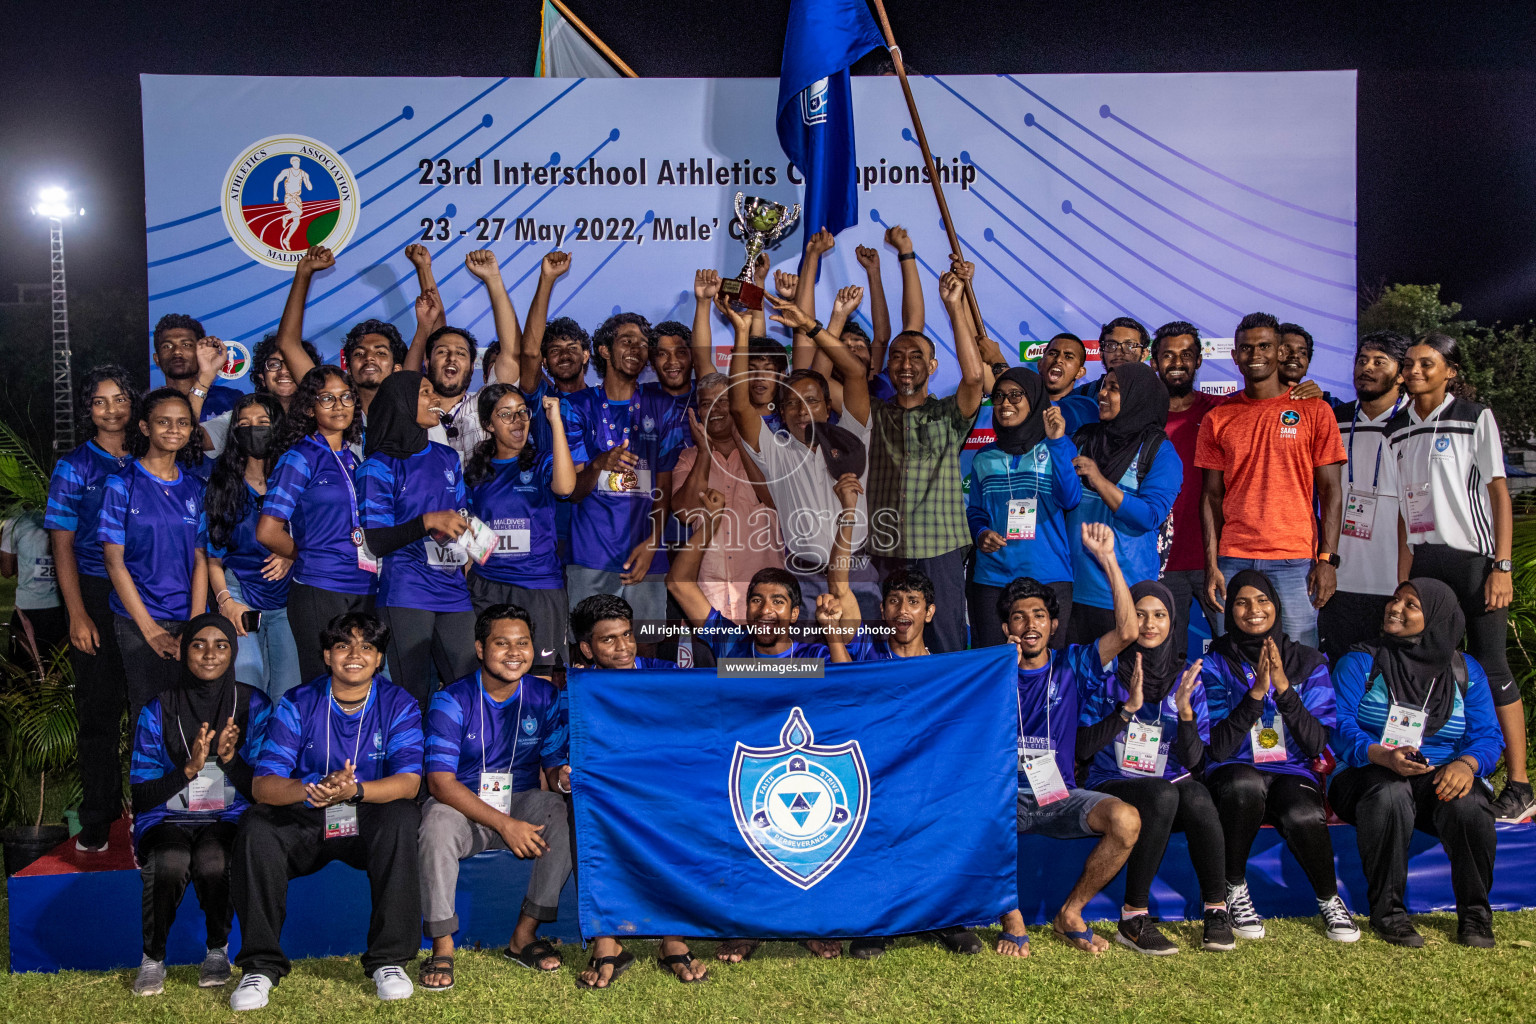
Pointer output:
x,y
63,383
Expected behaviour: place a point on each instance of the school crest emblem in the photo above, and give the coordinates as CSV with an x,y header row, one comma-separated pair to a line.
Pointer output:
x,y
286,193
1442,443
799,806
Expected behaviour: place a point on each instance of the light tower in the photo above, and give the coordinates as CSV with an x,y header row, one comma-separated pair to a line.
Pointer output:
x,y
54,204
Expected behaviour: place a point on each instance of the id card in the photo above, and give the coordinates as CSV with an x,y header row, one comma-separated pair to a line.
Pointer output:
x,y
479,541
1268,741
1404,728
1021,518
366,559
1421,509
1141,742
1359,515
206,792
340,821
1044,776
496,791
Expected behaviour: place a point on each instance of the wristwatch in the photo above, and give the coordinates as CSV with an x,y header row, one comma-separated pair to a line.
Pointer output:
x,y
1330,557
816,328
198,391
1503,565
357,797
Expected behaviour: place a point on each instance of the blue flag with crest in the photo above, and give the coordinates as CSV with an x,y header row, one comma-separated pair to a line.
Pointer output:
x,y
879,800
815,119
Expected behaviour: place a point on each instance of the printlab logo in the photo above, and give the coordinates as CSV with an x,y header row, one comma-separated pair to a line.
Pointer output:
x,y
813,103
800,807
287,193
237,359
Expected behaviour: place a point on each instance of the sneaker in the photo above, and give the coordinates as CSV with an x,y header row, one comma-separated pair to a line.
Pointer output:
x,y
1246,921
1218,931
151,978
392,983
1475,931
251,993
1141,934
91,840
1516,803
1399,931
1337,924
214,973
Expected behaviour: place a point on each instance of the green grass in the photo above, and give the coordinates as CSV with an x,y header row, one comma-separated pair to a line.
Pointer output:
x,y
1295,975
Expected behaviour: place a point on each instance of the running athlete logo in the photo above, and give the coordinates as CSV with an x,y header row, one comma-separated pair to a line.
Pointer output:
x,y
237,359
800,807
1290,417
286,193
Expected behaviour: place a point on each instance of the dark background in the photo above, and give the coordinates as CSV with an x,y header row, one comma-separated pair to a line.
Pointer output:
x,y
1447,101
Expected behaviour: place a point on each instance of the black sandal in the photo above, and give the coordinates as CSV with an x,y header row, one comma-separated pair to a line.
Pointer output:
x,y
621,963
666,963
436,965
537,950
868,948
959,940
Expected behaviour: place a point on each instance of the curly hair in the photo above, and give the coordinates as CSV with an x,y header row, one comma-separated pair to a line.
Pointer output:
x,y
300,421
605,334
99,375
478,469
383,328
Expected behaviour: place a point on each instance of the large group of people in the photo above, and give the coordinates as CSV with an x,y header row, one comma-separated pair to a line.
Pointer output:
x,y
339,610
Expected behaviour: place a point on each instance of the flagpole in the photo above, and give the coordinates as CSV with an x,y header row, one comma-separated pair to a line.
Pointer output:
x,y
922,142
591,37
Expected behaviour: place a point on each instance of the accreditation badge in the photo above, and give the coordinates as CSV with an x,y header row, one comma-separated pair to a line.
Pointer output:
x,y
1421,509
1404,726
479,541
206,792
340,821
1044,776
1021,518
1142,740
1359,515
496,790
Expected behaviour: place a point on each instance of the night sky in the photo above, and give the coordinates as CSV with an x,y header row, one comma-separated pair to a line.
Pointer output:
x,y
1447,100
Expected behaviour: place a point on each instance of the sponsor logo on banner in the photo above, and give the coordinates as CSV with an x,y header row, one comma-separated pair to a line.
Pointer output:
x,y
1092,347
799,806
1216,348
1218,387
1031,351
237,361
979,438
287,193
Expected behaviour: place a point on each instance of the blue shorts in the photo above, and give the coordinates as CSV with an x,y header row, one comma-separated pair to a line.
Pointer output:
x,y
1064,819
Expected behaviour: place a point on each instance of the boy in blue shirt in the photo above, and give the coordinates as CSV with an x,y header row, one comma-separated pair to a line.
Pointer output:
x,y
489,736
337,780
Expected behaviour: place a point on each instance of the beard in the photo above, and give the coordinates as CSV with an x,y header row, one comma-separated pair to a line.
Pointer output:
x,y
1179,390
444,391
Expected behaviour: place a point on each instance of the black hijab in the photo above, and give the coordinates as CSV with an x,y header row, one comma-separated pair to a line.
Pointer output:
x,y
1113,444
1020,439
192,701
1160,665
1298,660
1417,668
392,426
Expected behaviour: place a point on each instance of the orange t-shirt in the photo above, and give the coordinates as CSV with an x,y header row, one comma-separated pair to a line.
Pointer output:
x,y
1267,449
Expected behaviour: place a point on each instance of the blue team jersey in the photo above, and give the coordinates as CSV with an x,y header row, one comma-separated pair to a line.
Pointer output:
x,y
1101,693
651,663
1226,686
1048,707
308,736
75,492
728,640
519,505
245,557
161,526
1136,523
150,761
880,387
469,733
616,516
219,401
422,574
867,647
1044,475
312,489
543,439
1362,703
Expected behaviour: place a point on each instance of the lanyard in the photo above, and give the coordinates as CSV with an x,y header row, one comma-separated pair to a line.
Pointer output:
x,y
516,724
610,435
346,475
361,715
1429,459
1270,709
1428,694
1375,476
1034,478
1018,702
187,746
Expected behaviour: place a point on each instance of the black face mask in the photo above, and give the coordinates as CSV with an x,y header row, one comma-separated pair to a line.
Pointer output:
x,y
254,442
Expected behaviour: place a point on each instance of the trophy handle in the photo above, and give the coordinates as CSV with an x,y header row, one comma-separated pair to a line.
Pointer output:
x,y
740,213
787,224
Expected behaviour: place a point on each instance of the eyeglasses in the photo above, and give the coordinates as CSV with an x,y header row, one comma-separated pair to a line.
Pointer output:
x,y
1115,348
273,364
513,415
1013,397
328,399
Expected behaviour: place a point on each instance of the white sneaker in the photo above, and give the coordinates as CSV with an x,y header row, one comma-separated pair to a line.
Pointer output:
x,y
392,983
1337,924
251,993
1246,922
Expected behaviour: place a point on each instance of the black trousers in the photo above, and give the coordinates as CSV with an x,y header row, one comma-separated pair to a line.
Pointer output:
x,y
277,844
1348,619
947,632
100,699
170,855
1487,631
987,632
1247,798
310,610
1188,589
421,640
145,672
50,631
1168,807
1386,807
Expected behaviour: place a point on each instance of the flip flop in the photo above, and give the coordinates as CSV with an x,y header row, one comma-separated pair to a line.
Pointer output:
x,y
620,963
666,963
1022,941
1086,935
537,950
436,965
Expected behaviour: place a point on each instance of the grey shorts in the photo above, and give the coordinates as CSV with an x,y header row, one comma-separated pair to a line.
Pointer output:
x,y
547,609
1064,819
648,598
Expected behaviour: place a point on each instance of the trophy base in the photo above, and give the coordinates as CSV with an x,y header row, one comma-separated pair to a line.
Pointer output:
x,y
743,295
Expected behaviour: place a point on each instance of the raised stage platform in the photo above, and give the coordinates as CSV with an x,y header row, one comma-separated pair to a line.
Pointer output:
x,y
71,911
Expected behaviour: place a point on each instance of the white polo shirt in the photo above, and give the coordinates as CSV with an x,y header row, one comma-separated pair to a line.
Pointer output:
x,y
1367,566
1441,467
801,486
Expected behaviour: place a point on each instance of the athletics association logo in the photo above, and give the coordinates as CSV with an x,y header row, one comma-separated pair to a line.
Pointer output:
x,y
237,360
1290,417
800,807
287,193
1442,443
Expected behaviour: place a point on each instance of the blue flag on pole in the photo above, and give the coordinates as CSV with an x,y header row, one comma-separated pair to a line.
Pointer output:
x,y
879,800
815,119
